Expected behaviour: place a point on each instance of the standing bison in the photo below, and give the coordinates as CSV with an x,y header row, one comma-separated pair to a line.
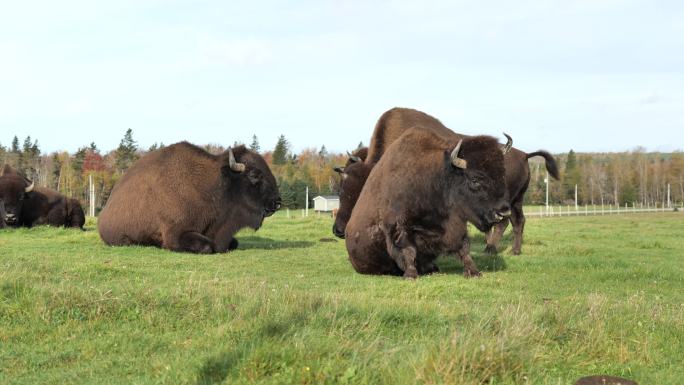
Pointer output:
x,y
28,205
183,198
391,125
418,198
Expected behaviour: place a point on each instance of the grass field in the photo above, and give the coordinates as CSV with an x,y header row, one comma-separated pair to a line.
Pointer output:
x,y
589,295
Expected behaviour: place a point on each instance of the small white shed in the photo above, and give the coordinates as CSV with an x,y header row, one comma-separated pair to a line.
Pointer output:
x,y
326,202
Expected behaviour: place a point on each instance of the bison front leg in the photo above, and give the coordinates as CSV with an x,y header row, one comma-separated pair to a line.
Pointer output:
x,y
469,267
189,241
495,235
402,252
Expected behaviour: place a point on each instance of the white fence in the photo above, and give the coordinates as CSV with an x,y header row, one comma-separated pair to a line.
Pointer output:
x,y
559,211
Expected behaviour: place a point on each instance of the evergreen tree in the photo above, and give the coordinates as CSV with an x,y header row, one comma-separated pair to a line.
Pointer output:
x,y
125,154
571,176
15,145
93,148
79,158
280,153
323,153
254,146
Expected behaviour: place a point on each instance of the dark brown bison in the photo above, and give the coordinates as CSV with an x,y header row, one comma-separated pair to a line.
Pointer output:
x,y
395,122
417,199
183,198
2,215
28,205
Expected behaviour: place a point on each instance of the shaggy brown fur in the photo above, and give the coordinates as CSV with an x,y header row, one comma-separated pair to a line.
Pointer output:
x,y
415,203
41,206
182,198
395,122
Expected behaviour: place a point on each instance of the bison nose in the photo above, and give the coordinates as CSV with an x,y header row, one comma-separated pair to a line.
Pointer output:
x,y
337,232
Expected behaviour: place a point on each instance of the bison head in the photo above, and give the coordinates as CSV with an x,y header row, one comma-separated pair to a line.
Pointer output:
x,y
14,190
248,176
354,175
477,180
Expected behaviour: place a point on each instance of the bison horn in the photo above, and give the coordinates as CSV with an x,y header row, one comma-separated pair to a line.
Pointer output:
x,y
339,170
509,143
234,165
455,160
29,188
353,158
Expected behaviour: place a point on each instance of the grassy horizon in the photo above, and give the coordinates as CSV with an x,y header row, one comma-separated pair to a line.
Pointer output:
x,y
589,295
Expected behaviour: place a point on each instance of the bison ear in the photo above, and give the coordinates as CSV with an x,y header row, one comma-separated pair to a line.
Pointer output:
x,y
254,177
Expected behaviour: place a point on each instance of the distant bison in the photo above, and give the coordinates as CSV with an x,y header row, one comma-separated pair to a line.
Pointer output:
x,y
183,198
28,205
417,199
2,215
391,125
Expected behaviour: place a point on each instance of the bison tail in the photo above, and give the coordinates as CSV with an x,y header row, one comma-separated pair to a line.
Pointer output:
x,y
551,166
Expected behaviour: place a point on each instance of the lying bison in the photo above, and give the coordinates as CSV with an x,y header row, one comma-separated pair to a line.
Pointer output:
x,y
183,198
2,215
393,124
418,198
28,205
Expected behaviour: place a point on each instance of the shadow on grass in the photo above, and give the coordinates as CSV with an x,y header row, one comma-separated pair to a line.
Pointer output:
x,y
216,369
219,367
484,262
255,242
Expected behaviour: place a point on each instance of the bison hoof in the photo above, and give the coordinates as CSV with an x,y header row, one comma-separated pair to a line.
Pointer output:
x,y
491,250
233,244
410,274
468,273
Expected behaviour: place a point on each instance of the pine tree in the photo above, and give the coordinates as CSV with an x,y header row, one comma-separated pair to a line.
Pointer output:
x,y
571,176
281,151
93,148
323,153
125,154
254,146
15,145
79,158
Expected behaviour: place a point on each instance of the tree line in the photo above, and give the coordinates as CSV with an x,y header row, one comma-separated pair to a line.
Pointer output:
x,y
601,178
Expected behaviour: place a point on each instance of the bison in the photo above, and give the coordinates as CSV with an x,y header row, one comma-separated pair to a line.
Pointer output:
x,y
393,124
27,205
418,197
182,198
2,215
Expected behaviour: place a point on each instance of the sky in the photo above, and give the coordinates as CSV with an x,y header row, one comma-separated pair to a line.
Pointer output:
x,y
588,75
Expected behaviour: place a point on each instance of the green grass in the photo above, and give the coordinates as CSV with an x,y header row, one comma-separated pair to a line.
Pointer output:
x,y
589,295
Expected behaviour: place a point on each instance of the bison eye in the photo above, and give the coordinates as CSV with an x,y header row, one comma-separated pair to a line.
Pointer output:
x,y
475,184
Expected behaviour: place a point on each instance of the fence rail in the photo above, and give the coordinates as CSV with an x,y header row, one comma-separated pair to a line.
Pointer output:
x,y
559,211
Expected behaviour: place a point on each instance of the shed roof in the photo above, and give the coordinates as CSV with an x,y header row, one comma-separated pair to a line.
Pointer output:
x,y
328,197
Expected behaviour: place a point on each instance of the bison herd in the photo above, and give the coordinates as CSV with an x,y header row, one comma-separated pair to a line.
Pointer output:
x,y
404,200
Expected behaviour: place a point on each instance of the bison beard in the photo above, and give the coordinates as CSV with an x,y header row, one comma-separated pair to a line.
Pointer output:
x,y
182,198
417,199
